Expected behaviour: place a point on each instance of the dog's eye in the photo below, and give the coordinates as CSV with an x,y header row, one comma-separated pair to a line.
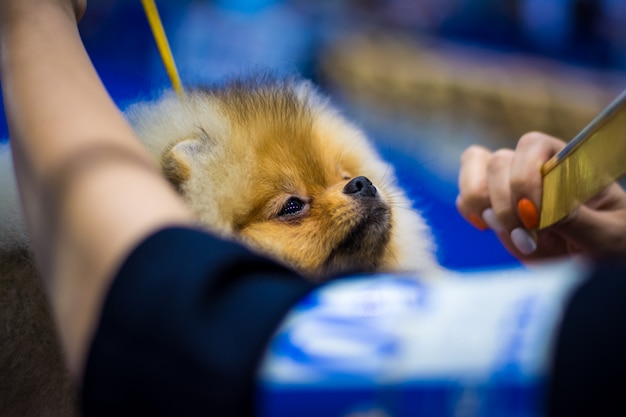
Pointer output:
x,y
292,206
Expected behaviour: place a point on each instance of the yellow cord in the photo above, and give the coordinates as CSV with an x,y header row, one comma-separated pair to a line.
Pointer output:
x,y
162,45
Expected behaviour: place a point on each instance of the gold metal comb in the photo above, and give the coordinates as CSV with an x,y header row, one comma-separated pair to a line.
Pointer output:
x,y
163,46
591,161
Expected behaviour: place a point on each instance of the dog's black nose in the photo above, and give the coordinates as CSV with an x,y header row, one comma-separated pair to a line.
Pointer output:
x,y
360,186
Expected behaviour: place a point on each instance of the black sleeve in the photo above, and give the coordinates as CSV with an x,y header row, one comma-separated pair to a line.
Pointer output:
x,y
588,376
183,328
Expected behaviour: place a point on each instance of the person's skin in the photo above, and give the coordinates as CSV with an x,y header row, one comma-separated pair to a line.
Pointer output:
x,y
89,189
492,183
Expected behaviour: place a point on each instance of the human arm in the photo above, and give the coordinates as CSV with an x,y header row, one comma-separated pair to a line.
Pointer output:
x,y
90,191
492,183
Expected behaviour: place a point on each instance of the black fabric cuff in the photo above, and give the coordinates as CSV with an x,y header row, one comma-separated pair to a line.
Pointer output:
x,y
184,326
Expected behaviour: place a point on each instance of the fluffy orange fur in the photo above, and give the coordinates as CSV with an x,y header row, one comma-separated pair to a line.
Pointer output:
x,y
241,153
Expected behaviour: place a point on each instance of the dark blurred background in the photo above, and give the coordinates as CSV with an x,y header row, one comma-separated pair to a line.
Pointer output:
x,y
425,78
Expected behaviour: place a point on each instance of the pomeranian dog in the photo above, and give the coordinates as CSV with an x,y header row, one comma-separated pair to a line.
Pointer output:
x,y
271,164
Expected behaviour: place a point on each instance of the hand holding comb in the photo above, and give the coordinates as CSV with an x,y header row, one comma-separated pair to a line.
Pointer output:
x,y
590,162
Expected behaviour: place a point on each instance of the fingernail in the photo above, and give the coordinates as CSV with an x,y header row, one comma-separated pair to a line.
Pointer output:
x,y
528,213
492,221
523,241
477,222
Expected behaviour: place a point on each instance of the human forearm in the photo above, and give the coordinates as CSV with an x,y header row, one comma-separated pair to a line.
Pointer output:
x,y
89,189
55,102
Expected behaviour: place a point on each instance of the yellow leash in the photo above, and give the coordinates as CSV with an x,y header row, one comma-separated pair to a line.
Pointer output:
x,y
162,45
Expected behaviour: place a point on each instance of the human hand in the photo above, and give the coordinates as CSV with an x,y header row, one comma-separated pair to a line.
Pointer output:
x,y
492,184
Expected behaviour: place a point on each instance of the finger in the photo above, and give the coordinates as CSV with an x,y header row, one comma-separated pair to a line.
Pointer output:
x,y
473,193
595,231
471,217
519,242
484,182
498,184
501,216
613,197
532,151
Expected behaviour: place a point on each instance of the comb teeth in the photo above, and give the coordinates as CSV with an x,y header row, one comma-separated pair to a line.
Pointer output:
x,y
597,159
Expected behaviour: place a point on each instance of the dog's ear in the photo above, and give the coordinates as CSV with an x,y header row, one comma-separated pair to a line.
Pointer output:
x,y
177,162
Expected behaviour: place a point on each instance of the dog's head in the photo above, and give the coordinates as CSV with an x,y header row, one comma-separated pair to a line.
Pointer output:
x,y
272,165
